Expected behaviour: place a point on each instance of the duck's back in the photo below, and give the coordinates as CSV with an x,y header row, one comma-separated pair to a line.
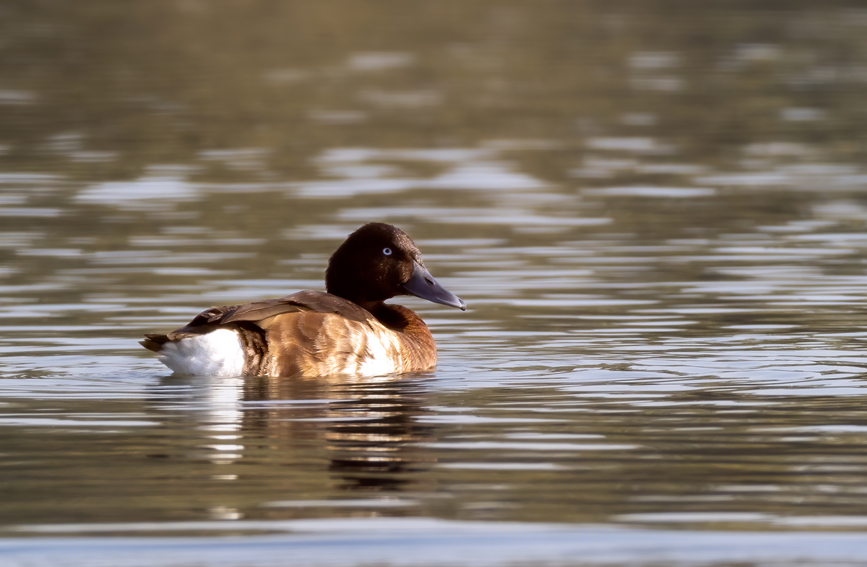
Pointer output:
x,y
308,333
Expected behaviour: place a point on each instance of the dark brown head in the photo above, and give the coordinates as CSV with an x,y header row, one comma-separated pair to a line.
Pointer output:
x,y
379,261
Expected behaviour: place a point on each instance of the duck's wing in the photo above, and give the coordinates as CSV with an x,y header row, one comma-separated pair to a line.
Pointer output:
x,y
260,315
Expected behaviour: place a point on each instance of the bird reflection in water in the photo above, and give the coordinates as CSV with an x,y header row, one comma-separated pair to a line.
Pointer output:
x,y
367,432
370,429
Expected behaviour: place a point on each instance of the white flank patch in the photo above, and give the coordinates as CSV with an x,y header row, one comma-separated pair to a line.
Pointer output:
x,y
378,360
218,353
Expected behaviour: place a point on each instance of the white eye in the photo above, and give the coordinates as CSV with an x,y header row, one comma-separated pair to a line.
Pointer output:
x,y
386,251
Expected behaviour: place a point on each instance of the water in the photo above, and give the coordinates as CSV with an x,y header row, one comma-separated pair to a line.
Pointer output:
x,y
655,213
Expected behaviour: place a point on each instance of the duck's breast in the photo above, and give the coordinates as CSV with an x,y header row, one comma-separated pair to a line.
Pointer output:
x,y
321,344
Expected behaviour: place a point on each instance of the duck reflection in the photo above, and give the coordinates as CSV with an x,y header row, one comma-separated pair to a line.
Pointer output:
x,y
369,431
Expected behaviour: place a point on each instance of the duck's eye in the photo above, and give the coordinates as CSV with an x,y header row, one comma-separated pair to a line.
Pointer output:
x,y
386,251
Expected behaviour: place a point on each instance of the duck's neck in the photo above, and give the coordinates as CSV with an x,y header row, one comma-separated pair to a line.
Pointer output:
x,y
395,317
403,320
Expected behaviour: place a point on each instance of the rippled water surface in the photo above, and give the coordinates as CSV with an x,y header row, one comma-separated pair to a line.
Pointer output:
x,y
655,211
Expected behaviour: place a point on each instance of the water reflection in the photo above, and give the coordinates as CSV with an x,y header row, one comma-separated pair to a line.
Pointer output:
x,y
369,433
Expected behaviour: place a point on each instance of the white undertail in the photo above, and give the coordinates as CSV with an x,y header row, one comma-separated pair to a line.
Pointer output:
x,y
218,353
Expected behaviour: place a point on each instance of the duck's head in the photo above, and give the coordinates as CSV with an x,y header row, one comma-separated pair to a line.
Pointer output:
x,y
379,261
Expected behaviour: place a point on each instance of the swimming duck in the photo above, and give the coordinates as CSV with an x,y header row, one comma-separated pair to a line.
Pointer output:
x,y
349,329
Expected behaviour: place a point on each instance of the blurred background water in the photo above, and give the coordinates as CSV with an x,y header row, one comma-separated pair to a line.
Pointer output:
x,y
654,209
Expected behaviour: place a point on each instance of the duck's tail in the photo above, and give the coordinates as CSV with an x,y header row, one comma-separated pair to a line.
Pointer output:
x,y
154,342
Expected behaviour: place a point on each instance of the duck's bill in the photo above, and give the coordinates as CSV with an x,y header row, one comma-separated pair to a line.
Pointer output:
x,y
422,284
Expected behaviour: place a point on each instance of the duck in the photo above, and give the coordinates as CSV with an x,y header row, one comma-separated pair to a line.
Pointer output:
x,y
348,329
